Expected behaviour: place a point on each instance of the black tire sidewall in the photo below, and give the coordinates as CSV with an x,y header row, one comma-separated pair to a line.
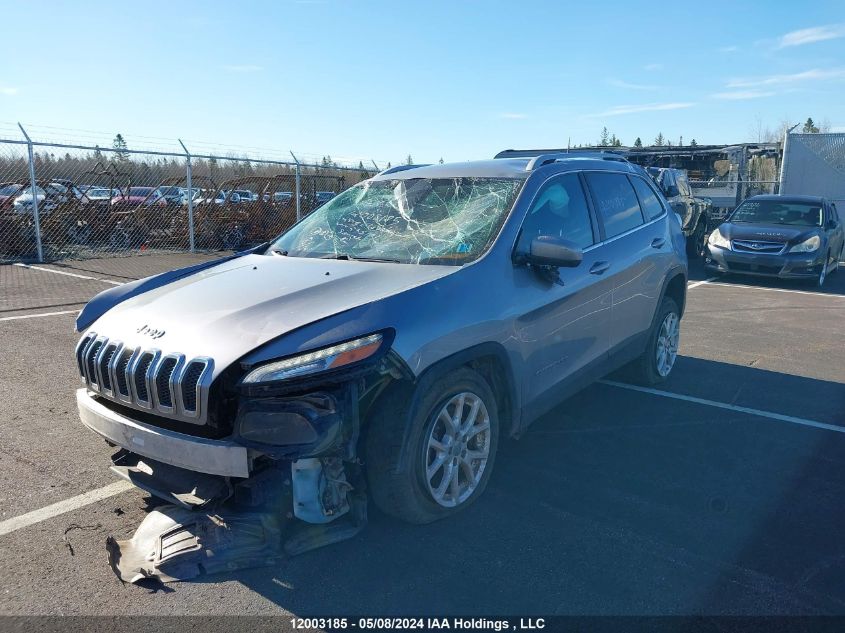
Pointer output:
x,y
648,373
422,421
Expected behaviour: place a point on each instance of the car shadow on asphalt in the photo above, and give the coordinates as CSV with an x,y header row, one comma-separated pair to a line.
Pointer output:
x,y
616,502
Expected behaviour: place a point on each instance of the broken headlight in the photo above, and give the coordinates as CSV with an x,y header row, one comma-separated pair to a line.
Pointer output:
x,y
328,358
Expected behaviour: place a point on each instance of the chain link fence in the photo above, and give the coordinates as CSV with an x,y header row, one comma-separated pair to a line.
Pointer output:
x,y
61,201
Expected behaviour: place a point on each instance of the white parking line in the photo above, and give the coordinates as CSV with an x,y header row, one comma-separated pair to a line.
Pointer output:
x,y
799,292
40,314
74,503
698,283
62,272
724,405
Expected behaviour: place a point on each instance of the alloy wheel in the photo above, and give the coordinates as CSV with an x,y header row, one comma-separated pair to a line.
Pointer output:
x,y
667,344
457,449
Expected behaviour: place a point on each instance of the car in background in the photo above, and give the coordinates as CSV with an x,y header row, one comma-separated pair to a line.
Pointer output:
x,y
49,196
244,195
789,237
8,192
172,195
694,212
134,196
308,373
324,196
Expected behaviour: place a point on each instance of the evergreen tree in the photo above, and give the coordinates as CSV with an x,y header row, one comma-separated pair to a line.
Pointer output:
x,y
119,144
441,160
681,142
659,141
692,143
638,142
604,140
409,161
810,127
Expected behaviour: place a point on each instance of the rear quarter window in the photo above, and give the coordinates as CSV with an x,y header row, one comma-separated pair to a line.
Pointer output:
x,y
650,203
616,202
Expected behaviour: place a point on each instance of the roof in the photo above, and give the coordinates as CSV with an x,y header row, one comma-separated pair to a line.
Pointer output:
x,y
505,168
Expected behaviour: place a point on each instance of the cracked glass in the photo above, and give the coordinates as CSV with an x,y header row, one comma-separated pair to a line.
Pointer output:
x,y
448,221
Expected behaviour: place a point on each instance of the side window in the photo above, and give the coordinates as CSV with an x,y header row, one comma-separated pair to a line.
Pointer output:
x,y
559,209
834,213
683,186
616,202
648,199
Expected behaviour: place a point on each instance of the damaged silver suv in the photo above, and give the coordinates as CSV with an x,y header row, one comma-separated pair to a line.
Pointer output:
x,y
381,347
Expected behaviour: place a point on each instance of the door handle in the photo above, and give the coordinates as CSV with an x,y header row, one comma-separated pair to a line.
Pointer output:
x,y
598,268
658,242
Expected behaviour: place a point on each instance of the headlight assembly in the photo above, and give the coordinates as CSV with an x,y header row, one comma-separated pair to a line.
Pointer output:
x,y
320,360
809,245
717,239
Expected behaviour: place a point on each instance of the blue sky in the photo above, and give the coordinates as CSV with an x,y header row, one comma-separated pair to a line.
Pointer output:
x,y
454,79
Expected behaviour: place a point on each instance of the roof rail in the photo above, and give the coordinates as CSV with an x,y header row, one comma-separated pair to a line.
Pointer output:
x,y
398,168
540,157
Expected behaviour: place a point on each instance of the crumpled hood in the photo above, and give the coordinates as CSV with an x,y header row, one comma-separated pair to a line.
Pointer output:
x,y
766,232
230,309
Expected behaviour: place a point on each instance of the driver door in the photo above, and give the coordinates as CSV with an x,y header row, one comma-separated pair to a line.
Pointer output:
x,y
564,318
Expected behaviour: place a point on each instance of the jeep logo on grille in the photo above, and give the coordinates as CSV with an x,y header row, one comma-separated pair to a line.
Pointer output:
x,y
151,332
756,246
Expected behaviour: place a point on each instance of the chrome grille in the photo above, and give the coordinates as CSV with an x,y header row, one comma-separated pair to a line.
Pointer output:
x,y
756,246
144,379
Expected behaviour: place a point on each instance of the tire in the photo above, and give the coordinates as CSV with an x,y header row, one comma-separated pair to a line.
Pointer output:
x,y
835,268
400,487
695,243
647,370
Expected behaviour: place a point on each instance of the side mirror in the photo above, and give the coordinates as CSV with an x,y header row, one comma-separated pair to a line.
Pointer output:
x,y
831,224
547,250
672,191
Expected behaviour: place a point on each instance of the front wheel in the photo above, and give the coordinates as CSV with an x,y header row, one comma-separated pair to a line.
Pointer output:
x,y
695,242
452,437
658,359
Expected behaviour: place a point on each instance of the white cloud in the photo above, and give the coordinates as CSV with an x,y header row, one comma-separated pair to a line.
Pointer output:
x,y
728,49
242,68
815,74
741,95
513,115
9,92
618,83
647,107
653,67
814,34
838,128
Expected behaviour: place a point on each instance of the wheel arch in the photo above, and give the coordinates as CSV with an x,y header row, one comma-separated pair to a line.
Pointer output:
x,y
675,287
490,360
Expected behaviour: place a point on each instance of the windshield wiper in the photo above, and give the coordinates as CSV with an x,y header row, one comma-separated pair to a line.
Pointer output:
x,y
348,257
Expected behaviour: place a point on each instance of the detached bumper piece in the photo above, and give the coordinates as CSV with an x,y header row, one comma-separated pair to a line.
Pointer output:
x,y
174,543
218,526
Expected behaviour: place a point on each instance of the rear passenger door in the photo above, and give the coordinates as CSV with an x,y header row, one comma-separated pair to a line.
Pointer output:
x,y
632,221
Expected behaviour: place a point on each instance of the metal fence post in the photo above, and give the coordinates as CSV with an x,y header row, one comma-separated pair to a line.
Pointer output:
x,y
298,211
32,185
190,196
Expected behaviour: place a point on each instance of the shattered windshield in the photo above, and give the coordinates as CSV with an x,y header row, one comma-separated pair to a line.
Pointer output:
x,y
415,221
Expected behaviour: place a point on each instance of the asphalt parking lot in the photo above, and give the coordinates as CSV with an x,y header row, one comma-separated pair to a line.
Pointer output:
x,y
720,493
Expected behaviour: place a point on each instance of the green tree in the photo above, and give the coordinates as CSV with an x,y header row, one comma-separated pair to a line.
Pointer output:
x,y
692,143
120,147
409,160
441,160
638,142
659,141
604,141
810,127
681,142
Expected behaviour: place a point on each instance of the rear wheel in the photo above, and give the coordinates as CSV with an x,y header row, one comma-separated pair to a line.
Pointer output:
x,y
658,359
451,447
